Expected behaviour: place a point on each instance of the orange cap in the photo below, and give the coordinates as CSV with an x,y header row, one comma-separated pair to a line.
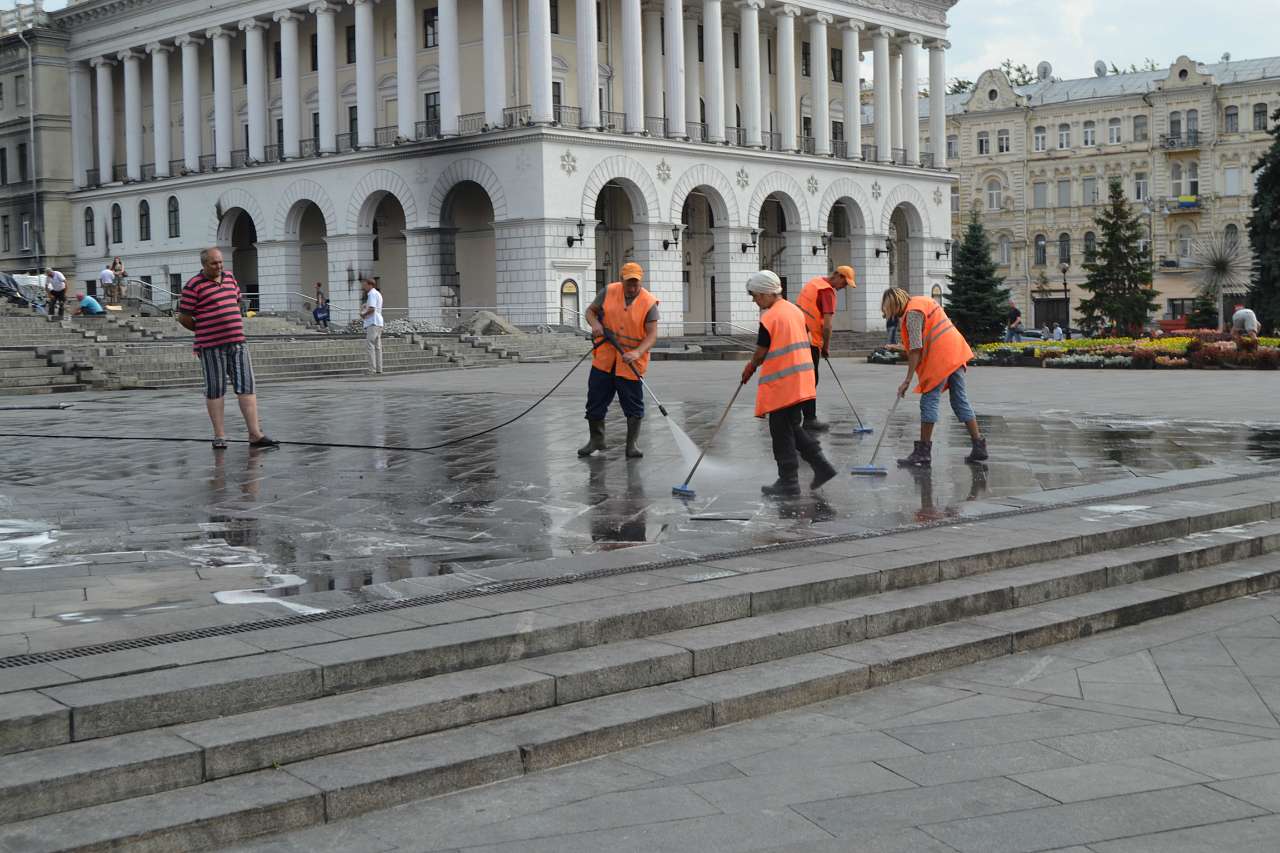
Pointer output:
x,y
847,274
632,270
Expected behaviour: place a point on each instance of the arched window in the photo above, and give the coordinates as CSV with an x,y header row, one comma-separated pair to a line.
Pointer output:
x,y
1259,116
993,194
1003,250
1231,236
1175,179
1175,124
88,226
1193,122
936,293
1064,135
1139,128
1113,131
1064,248
174,223
1231,123
1193,178
144,220
1038,138
1041,251
1184,242
1090,133
1090,245
117,225
984,142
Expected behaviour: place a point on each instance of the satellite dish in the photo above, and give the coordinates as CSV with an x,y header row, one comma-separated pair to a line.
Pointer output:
x,y
1043,71
1100,68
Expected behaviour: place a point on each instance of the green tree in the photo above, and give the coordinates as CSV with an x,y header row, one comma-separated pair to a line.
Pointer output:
x,y
978,301
1204,313
1019,74
958,86
1264,233
1119,272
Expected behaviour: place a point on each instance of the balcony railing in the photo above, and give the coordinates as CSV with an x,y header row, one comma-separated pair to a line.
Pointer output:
x,y
566,116
870,153
611,122
308,147
383,136
92,178
519,116
208,162
176,166
239,157
926,160
471,123
839,148
148,171
808,145
898,156
772,141
429,129
736,136
346,142
697,131
656,126
1187,139
271,153
119,172
1183,204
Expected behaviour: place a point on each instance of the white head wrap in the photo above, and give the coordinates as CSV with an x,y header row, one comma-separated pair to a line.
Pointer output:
x,y
764,281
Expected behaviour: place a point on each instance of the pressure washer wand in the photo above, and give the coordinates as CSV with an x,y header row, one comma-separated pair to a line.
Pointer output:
x,y
609,336
862,429
683,489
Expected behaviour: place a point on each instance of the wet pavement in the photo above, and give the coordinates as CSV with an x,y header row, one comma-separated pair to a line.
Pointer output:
x,y
94,531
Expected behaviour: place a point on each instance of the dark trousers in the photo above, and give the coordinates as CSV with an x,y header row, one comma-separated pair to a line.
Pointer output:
x,y
602,386
790,438
57,302
811,406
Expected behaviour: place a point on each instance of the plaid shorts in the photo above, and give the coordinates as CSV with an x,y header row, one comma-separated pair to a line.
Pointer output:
x,y
223,362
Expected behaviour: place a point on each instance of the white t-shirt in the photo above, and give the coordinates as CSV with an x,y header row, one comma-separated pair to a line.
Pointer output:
x,y
107,276
57,282
374,301
1245,321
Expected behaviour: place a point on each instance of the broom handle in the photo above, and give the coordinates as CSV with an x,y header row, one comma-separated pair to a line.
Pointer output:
x,y
714,432
884,431
840,385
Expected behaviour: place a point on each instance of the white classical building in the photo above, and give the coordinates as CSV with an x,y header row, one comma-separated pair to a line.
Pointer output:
x,y
511,153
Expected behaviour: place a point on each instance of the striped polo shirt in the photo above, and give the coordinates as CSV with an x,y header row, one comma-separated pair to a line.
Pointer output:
x,y
215,306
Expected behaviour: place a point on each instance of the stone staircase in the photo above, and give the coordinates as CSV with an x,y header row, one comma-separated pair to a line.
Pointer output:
x,y
205,739
531,348
26,371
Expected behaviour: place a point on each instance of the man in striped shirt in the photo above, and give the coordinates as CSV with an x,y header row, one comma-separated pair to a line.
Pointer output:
x,y
210,307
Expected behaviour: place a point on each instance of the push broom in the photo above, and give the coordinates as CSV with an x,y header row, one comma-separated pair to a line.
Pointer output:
x,y
861,428
871,468
683,490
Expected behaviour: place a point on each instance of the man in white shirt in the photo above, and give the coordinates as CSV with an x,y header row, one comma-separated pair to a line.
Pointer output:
x,y
106,282
56,284
1057,332
1244,323
373,323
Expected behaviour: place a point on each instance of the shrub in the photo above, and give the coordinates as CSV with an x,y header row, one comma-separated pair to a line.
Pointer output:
x,y
1144,357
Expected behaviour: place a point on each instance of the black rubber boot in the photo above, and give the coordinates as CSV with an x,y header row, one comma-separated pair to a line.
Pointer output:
x,y
979,451
814,425
822,472
633,434
921,456
787,485
597,439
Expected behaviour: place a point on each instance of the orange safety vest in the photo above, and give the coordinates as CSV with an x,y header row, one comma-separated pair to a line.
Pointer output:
x,y
786,376
945,349
627,324
807,302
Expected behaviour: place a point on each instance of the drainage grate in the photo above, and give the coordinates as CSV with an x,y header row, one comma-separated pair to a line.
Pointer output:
x,y
557,580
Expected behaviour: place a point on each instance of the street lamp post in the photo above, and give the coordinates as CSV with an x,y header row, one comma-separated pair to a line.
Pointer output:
x,y
1066,291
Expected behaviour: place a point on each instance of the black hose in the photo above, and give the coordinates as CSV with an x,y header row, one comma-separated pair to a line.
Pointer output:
x,y
426,449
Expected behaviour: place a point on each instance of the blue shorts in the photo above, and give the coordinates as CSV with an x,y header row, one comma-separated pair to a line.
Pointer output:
x,y
226,362
929,401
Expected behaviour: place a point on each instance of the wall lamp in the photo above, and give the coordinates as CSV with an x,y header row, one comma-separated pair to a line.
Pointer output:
x,y
752,244
674,242
571,241
946,250
888,247
825,237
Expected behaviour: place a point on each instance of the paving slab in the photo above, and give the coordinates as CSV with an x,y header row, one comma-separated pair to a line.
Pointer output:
x,y
981,762
31,720
1251,835
1108,779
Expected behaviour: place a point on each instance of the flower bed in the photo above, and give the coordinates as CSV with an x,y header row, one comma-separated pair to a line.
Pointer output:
x,y
1191,349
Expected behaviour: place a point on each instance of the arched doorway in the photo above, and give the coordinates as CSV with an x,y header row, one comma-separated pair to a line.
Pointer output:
x,y
847,227
470,251
707,289
777,251
900,234
237,230
306,225
390,265
570,304
615,235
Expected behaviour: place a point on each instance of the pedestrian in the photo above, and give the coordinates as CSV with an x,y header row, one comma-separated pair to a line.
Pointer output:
x,y
371,314
937,355
210,307
321,313
118,278
88,306
1244,323
629,314
319,294
1045,332
891,328
106,282
786,384
1013,324
56,285
817,300
1057,332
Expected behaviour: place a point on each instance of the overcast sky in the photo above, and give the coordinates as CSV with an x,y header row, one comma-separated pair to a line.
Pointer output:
x,y
1073,34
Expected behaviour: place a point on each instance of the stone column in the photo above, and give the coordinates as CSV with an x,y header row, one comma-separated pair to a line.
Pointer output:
x,y
366,71
634,68
255,93
674,78
450,66
651,29
495,63
279,267
766,87
728,28
540,61
880,58
160,144
290,85
327,74
692,79
81,124
895,97
819,78
787,112
911,98
220,40
734,308
713,68
192,121
752,77
938,102
850,31
407,68
588,65
663,269
422,247
106,117
132,114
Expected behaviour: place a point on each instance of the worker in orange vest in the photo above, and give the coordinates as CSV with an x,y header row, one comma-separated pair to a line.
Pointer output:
x,y
630,314
817,300
786,383
937,355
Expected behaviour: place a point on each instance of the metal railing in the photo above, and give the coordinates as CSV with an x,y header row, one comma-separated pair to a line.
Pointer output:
x,y
926,160
566,116
148,171
345,142
898,156
656,126
1184,204
383,136
119,172
208,162
429,129
308,147
176,166
1187,139
612,122
471,123
518,116
239,156
808,145
839,148
271,153
697,131
736,136
92,178
870,153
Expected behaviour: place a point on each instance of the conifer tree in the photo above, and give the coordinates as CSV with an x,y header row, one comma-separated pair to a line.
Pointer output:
x,y
1264,233
1119,271
978,301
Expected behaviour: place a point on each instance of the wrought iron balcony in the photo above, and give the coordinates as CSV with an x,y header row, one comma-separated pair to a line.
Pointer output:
x,y
175,167
612,122
429,129
839,148
92,178
736,136
148,171
308,147
346,142
470,124
1184,140
208,162
119,172
808,145
772,141
1183,204
271,154
517,116
697,131
898,156
656,126
239,157
870,153
926,160
383,136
